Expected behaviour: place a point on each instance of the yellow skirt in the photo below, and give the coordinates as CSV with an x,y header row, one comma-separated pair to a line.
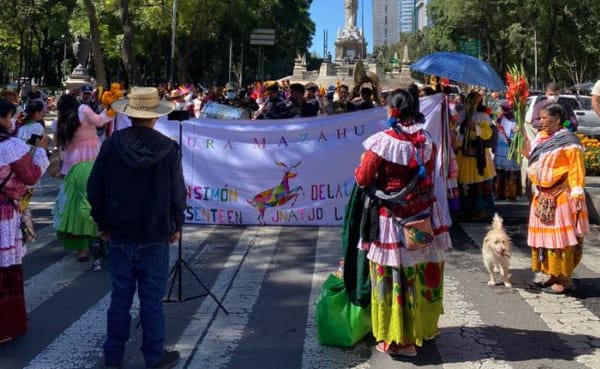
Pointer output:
x,y
556,262
467,168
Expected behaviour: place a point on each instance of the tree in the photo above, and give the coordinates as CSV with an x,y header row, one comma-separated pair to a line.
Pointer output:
x,y
127,44
96,46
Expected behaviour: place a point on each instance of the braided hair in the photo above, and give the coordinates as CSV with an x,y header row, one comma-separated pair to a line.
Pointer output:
x,y
405,105
68,119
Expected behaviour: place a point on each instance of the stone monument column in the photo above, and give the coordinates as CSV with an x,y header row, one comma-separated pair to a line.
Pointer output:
x,y
350,42
79,77
350,10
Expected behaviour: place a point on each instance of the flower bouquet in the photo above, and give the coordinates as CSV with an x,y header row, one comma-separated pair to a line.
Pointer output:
x,y
517,94
110,96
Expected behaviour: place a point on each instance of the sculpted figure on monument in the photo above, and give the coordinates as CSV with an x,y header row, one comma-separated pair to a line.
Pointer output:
x,y
350,10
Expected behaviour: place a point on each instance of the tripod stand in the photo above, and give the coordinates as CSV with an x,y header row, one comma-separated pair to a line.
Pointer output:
x,y
176,273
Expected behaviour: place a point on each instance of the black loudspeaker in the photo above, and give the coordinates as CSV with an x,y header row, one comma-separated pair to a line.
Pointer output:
x,y
179,115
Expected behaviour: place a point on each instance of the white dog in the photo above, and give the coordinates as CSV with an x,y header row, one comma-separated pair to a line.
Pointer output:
x,y
496,252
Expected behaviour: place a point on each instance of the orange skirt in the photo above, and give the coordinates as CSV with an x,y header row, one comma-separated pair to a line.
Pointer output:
x,y
557,263
566,230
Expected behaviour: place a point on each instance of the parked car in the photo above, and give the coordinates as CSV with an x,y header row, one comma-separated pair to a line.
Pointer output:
x,y
589,121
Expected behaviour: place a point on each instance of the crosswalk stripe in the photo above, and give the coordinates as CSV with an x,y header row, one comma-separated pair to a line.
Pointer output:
x,y
57,276
328,252
80,345
577,326
45,235
460,323
211,336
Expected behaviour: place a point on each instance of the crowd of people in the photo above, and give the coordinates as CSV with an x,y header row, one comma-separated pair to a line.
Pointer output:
x,y
397,167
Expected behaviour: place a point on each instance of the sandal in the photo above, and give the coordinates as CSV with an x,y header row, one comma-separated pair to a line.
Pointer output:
x,y
393,349
6,340
83,257
547,283
556,289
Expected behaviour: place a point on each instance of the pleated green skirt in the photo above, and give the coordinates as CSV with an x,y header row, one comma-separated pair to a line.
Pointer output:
x,y
72,219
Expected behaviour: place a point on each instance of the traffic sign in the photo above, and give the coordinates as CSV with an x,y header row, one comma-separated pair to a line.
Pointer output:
x,y
470,47
262,36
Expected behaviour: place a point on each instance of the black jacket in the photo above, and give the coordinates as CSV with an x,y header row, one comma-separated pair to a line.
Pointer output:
x,y
136,187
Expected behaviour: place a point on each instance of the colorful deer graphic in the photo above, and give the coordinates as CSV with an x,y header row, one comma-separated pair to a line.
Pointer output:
x,y
278,195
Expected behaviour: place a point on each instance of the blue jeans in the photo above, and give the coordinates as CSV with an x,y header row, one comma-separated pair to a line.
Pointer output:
x,y
146,265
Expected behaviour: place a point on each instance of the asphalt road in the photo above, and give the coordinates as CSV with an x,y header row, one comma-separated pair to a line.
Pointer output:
x,y
268,279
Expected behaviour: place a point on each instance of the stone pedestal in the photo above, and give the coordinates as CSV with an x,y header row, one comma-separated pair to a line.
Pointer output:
x,y
78,78
348,51
327,69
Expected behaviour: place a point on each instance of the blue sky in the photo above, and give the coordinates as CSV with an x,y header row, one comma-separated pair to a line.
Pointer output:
x,y
329,15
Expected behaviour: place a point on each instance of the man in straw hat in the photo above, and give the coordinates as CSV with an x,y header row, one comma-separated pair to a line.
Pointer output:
x,y
137,194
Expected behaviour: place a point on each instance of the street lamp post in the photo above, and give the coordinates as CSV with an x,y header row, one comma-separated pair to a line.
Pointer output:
x,y
230,59
64,61
535,59
173,29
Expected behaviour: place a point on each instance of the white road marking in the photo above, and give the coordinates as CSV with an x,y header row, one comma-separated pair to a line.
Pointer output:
x,y
578,327
208,343
80,345
328,253
461,338
46,283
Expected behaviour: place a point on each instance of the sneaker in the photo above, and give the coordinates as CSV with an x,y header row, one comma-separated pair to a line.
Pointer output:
x,y
169,360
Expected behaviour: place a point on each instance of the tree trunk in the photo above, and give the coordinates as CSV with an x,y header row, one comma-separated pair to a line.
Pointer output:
x,y
127,47
96,47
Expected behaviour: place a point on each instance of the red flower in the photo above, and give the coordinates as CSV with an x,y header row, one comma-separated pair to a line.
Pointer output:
x,y
433,275
380,270
399,299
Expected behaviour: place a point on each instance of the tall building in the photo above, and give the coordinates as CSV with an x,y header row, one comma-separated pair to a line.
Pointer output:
x,y
406,16
422,19
385,22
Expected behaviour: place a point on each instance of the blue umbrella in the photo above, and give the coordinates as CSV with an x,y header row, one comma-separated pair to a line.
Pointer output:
x,y
460,68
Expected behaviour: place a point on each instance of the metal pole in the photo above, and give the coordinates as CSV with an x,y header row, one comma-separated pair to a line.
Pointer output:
x,y
535,57
64,63
241,76
260,64
173,29
362,32
230,59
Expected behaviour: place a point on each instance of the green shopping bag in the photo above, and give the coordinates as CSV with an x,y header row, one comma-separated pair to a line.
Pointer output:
x,y
339,321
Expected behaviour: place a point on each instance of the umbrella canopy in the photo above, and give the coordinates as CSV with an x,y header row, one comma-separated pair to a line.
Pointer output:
x,y
460,68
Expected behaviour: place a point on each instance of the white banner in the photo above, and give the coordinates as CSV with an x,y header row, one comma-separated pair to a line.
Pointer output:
x,y
279,172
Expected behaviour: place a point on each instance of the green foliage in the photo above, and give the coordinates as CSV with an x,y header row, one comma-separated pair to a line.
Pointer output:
x,y
567,37
204,31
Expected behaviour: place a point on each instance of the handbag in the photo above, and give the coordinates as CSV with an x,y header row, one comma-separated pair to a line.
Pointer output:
x,y
417,231
340,322
546,206
55,164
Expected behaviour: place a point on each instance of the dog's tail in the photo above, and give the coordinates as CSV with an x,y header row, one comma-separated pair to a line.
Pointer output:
x,y
497,222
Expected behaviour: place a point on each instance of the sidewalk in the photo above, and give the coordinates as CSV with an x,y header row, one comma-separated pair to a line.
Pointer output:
x,y
517,211
592,196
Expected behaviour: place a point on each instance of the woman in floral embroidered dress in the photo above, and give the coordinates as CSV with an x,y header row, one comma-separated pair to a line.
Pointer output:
x,y
406,284
20,166
559,217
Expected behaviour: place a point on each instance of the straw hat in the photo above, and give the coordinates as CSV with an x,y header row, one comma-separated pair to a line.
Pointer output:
x,y
143,102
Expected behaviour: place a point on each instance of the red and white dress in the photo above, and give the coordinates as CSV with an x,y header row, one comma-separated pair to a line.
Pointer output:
x,y
22,170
